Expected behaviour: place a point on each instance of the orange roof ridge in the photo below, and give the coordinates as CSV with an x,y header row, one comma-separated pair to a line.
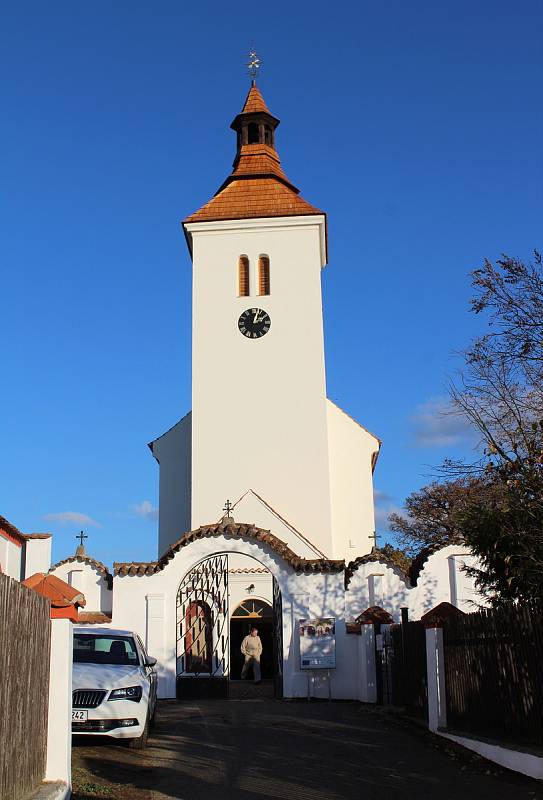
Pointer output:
x,y
254,102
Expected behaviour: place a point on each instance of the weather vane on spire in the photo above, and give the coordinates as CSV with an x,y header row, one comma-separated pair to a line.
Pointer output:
x,y
254,64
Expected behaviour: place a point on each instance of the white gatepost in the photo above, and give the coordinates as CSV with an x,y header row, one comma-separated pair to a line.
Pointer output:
x,y
435,666
154,639
366,660
59,724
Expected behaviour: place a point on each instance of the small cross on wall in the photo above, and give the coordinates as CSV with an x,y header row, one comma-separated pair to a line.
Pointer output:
x,y
375,536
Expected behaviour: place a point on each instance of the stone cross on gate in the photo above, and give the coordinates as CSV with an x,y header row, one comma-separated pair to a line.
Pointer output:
x,y
228,508
80,552
374,536
81,536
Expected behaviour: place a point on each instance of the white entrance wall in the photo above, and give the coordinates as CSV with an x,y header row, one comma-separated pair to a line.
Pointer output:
x,y
146,603
442,578
303,595
376,582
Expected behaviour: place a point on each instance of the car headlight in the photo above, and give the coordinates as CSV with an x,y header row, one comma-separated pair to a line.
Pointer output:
x,y
128,693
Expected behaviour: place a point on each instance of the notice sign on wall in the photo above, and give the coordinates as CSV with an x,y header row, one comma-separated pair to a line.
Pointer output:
x,y
318,643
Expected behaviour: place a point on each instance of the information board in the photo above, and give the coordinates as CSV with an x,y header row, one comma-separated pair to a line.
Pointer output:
x,y
317,643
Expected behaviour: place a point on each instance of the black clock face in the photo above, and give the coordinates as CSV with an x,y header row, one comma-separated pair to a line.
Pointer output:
x,y
254,323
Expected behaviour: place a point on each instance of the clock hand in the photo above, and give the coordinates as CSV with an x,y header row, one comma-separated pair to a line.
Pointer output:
x,y
255,320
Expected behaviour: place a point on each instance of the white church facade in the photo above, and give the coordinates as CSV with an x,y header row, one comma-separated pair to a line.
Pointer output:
x,y
266,509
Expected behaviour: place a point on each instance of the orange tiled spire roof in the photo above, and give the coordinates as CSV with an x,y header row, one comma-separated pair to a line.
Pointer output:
x,y
257,185
255,102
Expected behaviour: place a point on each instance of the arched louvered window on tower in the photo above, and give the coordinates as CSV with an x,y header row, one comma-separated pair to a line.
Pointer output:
x,y
263,275
243,276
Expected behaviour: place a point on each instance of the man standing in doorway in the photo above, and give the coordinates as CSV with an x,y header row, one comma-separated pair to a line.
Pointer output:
x,y
251,647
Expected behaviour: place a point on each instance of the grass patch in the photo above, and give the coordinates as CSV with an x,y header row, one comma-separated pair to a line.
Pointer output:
x,y
85,788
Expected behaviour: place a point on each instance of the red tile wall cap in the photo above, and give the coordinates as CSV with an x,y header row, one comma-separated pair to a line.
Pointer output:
x,y
374,614
60,593
93,618
11,532
15,535
235,530
353,628
68,612
438,615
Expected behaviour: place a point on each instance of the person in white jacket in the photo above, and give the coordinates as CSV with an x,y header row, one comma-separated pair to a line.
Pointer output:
x,y
251,647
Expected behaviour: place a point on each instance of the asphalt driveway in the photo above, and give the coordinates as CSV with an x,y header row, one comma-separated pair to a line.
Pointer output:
x,y
255,748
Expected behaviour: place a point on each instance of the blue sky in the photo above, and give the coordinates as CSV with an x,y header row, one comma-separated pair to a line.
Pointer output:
x,y
416,126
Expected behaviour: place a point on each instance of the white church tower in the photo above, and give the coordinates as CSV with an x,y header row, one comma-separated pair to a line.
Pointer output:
x,y
262,431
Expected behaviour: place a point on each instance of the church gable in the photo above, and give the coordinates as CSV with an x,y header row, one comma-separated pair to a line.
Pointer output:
x,y
254,507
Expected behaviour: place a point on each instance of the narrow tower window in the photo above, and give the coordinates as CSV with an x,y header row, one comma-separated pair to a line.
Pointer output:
x,y
253,137
243,276
263,275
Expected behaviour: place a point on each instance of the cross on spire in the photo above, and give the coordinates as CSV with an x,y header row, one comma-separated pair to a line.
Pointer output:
x,y
81,536
253,65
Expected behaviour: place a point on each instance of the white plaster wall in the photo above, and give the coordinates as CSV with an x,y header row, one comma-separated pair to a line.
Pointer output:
x,y
442,579
351,484
10,558
302,595
173,452
90,582
37,556
237,588
259,414
395,590
59,721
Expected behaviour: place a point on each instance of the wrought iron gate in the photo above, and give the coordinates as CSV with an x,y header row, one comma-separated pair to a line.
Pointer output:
x,y
277,640
384,655
202,629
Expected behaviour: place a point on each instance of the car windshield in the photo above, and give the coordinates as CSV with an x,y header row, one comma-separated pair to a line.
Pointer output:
x,y
104,649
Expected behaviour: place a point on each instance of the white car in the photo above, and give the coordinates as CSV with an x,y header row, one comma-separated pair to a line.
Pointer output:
x,y
114,685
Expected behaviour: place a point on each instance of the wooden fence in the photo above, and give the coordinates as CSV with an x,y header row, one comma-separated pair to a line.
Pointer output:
x,y
25,636
494,673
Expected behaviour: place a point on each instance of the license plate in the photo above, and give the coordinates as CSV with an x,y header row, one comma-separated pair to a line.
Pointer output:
x,y
79,715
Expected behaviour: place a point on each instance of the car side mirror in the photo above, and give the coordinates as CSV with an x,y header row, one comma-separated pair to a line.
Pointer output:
x,y
150,661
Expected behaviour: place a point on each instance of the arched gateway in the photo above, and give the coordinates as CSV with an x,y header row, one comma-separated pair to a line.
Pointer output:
x,y
186,600
210,623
